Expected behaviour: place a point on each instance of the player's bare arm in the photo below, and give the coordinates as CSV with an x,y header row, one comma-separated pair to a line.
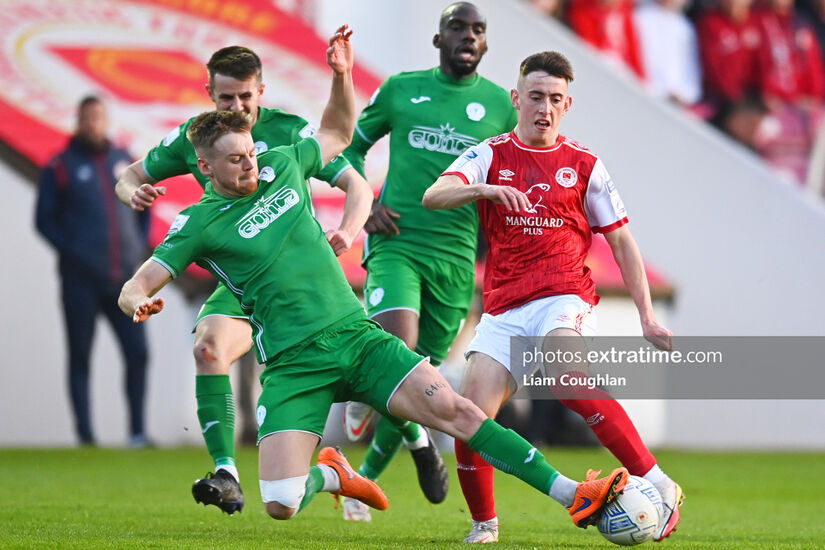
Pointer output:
x,y
382,220
629,259
338,120
356,210
137,297
450,191
136,189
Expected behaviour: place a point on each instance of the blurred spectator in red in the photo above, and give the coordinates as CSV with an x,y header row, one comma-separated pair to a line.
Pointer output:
x,y
551,8
669,50
814,13
790,63
608,25
728,44
792,84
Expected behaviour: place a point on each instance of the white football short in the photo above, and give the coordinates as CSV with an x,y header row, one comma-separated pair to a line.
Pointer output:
x,y
533,319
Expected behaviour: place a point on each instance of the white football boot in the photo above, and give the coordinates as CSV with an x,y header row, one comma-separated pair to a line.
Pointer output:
x,y
355,510
357,418
483,531
672,498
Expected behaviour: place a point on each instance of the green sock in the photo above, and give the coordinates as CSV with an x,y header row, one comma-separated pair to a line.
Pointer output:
x,y
385,443
512,454
315,482
216,412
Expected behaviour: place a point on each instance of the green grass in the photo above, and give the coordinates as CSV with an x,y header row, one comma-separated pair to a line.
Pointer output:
x,y
109,498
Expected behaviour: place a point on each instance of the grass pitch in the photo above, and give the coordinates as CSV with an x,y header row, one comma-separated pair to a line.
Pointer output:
x,y
110,498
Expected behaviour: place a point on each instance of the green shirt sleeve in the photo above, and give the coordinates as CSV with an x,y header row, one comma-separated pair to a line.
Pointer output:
x,y
169,157
306,154
334,168
180,247
373,124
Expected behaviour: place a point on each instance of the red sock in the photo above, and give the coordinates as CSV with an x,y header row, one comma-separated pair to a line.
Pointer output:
x,y
476,478
610,423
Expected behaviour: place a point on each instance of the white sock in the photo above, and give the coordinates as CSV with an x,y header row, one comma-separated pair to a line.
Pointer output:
x,y
420,442
332,483
230,468
656,476
563,490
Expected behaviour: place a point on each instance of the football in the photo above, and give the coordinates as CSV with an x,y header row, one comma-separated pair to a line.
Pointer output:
x,y
634,516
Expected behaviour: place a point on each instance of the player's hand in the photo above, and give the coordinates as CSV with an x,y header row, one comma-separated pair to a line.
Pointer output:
x,y
145,195
510,197
148,308
658,335
339,53
340,241
381,220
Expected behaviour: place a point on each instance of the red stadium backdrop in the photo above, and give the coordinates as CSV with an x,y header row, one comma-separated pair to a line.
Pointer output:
x,y
146,59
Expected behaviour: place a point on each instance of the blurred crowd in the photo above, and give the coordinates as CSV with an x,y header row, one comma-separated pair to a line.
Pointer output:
x,y
752,68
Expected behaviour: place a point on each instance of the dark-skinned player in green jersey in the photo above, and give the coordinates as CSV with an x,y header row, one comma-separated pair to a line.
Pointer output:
x,y
421,264
222,331
254,229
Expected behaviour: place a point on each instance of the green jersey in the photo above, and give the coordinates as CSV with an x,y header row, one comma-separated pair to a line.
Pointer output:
x,y
175,156
269,250
431,119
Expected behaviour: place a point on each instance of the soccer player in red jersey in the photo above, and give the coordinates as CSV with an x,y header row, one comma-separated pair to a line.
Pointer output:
x,y
540,197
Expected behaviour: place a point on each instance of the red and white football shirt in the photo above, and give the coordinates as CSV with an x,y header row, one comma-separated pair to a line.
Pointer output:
x,y
540,253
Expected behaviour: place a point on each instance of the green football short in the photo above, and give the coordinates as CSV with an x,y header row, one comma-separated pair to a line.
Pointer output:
x,y
439,292
221,302
351,360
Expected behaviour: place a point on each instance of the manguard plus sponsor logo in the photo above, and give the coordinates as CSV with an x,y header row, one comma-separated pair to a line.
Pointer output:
x,y
266,211
535,224
443,139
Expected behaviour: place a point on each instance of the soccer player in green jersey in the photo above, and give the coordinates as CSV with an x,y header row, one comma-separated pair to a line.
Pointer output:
x,y
222,331
420,263
254,230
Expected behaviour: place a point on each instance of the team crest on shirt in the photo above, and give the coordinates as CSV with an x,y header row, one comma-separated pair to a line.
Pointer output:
x,y
178,224
475,111
267,174
171,136
566,177
261,147
307,131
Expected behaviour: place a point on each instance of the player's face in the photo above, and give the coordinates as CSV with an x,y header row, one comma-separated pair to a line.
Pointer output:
x,y
231,165
462,40
541,101
231,94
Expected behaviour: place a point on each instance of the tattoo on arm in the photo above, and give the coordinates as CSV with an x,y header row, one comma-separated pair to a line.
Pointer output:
x,y
432,388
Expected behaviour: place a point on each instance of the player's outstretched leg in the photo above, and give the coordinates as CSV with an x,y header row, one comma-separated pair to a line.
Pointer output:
x,y
219,341
426,397
220,489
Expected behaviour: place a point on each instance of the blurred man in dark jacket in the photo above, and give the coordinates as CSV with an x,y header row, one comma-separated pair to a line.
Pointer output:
x,y
100,242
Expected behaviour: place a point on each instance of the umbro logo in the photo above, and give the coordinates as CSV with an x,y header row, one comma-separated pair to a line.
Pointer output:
x,y
420,99
595,419
506,175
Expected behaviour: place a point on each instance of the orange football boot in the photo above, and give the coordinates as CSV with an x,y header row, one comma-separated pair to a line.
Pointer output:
x,y
593,494
353,485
